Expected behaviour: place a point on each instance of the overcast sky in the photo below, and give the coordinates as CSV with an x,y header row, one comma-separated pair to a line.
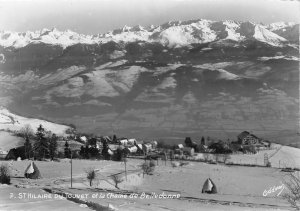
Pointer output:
x,y
99,16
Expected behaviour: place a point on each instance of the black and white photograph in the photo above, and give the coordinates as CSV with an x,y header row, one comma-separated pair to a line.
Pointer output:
x,y
149,105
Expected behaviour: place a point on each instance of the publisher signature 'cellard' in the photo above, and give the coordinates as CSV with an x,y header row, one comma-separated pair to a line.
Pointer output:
x,y
274,189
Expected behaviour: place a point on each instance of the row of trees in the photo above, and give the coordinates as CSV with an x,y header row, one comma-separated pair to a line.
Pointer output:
x,y
45,143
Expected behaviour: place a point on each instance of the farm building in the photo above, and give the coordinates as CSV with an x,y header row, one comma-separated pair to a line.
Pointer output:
x,y
203,148
179,146
131,141
83,139
123,142
154,144
114,147
246,138
107,139
147,148
266,143
131,150
110,152
14,153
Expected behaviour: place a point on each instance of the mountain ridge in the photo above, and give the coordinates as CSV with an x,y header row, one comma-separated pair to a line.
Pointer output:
x,y
172,34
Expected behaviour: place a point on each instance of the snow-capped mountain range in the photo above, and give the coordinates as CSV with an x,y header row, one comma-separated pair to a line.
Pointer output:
x,y
181,78
171,34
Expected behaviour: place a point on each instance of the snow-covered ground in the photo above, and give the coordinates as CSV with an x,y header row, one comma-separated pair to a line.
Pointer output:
x,y
33,204
280,157
239,188
265,58
15,122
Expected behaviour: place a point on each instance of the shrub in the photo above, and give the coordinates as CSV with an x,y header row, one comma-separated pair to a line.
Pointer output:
x,y
148,168
152,163
269,164
117,179
184,163
4,174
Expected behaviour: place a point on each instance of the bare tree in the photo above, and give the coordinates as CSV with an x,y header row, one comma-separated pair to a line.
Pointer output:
x,y
117,179
91,175
293,185
26,131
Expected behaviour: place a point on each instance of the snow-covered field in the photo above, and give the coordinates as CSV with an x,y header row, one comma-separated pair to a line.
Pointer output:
x,y
280,157
239,188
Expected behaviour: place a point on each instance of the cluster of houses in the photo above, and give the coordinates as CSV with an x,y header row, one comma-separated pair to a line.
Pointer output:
x,y
133,147
246,138
138,148
129,145
246,142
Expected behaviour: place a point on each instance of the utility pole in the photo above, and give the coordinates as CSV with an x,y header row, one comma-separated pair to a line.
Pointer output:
x,y
71,169
125,161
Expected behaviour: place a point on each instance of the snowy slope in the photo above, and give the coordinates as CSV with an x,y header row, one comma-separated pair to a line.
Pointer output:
x,y
267,36
14,122
171,34
280,157
287,30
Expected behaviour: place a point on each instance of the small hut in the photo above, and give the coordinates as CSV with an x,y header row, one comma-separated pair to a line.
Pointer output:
x,y
32,172
209,187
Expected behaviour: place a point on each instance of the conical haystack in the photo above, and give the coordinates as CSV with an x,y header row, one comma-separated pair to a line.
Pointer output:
x,y
32,171
209,187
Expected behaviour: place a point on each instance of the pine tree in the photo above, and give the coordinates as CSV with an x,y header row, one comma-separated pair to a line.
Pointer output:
x,y
41,145
188,142
82,151
28,148
67,150
53,146
105,149
114,139
202,141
